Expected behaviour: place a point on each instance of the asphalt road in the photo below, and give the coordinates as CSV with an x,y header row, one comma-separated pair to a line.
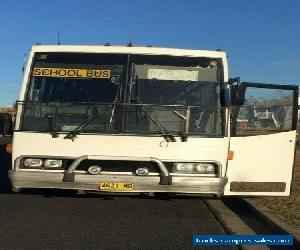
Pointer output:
x,y
39,220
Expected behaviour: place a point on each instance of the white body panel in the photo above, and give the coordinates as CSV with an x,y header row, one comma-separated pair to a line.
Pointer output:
x,y
195,149
262,158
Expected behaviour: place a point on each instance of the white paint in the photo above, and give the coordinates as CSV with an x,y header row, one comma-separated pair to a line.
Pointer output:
x,y
195,149
262,158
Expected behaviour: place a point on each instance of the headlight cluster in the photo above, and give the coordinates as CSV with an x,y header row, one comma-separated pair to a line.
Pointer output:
x,y
194,168
42,163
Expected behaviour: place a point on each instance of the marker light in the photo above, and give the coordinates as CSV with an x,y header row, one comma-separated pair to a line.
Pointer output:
x,y
8,148
33,163
94,169
142,171
230,155
51,163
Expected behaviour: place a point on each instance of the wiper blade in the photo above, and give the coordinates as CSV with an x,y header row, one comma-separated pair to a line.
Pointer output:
x,y
165,133
73,134
187,122
169,138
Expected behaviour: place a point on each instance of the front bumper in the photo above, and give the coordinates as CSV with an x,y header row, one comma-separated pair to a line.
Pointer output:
x,y
180,184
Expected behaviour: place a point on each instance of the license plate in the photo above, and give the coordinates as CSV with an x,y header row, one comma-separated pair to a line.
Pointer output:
x,y
116,186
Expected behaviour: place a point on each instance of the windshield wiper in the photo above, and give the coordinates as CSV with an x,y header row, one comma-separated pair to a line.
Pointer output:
x,y
187,122
165,133
116,100
73,134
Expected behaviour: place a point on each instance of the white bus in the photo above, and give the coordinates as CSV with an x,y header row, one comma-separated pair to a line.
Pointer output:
x,y
149,120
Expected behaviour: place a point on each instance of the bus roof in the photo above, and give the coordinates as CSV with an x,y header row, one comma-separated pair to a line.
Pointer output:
x,y
128,50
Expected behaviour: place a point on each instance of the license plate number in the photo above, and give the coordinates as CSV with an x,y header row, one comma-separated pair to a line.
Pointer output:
x,y
116,186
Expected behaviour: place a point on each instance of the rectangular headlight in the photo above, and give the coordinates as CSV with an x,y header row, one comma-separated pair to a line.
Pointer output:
x,y
194,168
33,163
52,163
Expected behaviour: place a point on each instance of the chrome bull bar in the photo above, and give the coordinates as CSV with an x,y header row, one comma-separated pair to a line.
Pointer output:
x,y
165,177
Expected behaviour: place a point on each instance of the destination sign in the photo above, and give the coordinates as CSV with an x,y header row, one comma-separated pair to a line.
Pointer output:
x,y
72,73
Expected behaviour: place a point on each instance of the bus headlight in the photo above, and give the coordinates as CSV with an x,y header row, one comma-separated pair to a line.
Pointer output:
x,y
33,163
194,168
52,163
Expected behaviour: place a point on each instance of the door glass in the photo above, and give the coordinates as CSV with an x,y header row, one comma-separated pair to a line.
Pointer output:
x,y
265,111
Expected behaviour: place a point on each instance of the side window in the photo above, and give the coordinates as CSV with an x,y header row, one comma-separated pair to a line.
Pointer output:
x,y
265,111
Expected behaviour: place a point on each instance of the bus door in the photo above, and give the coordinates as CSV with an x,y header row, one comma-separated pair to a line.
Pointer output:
x,y
263,139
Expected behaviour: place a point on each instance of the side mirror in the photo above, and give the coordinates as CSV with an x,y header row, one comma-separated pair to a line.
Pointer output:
x,y
6,124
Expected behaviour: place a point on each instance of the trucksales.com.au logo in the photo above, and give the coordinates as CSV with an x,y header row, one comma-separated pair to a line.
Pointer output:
x,y
242,240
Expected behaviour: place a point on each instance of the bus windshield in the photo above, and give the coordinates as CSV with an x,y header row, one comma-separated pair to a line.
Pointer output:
x,y
118,93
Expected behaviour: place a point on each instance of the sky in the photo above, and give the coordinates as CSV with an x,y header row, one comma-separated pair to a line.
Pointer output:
x,y
261,37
